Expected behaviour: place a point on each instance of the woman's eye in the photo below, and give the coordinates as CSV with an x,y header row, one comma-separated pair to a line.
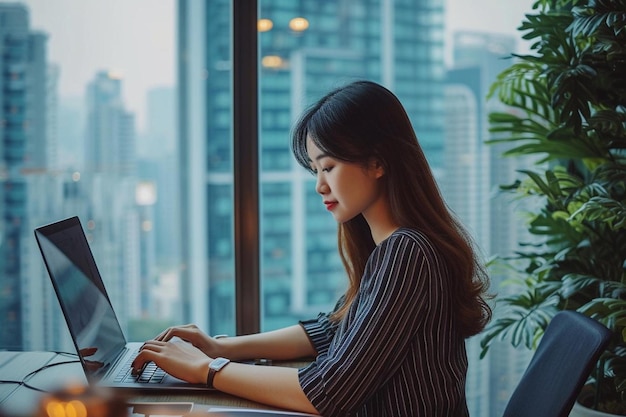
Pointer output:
x,y
327,169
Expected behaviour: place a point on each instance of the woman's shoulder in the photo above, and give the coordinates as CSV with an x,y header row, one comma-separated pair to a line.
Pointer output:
x,y
408,236
404,250
408,240
409,232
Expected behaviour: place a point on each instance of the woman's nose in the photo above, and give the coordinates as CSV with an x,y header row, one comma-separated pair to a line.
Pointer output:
x,y
320,186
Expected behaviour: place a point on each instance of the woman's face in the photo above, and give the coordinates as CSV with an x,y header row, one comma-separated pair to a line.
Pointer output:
x,y
347,189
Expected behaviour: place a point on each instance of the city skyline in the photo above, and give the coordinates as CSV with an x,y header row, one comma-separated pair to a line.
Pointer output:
x,y
88,36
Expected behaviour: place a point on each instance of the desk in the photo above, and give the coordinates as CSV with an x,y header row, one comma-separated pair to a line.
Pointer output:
x,y
21,401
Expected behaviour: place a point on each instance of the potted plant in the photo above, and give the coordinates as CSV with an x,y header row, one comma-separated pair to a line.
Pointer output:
x,y
567,108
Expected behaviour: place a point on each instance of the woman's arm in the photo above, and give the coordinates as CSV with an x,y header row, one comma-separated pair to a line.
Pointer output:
x,y
283,344
399,285
272,385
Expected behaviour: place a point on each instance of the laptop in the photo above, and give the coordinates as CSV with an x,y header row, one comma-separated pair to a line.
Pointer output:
x,y
104,352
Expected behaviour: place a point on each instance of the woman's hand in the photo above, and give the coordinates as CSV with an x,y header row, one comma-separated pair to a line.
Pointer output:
x,y
192,334
179,359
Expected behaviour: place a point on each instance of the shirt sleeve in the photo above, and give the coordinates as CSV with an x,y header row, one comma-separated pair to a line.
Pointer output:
x,y
376,333
321,330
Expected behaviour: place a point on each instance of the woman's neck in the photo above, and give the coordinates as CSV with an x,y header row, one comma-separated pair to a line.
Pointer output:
x,y
381,222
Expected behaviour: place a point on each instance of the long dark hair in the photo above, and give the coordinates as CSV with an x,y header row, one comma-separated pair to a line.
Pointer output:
x,y
364,121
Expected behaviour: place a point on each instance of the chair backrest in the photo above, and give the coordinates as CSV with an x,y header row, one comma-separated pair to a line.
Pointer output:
x,y
567,352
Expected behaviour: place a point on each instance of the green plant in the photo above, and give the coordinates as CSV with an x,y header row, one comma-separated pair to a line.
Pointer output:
x,y
567,102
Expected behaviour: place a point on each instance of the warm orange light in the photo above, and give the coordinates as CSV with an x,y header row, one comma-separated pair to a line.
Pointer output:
x,y
76,408
298,24
55,409
78,401
272,61
264,25
73,408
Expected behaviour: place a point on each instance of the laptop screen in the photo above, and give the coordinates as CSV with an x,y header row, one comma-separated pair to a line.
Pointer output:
x,y
88,312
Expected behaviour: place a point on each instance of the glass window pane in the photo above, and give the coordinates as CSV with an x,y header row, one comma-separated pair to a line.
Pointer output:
x,y
311,48
88,128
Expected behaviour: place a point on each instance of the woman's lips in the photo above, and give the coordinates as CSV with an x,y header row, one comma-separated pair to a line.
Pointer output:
x,y
330,205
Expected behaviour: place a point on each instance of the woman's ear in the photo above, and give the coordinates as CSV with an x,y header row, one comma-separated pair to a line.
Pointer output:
x,y
376,168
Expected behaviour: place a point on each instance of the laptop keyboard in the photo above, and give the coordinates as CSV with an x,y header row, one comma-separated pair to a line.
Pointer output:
x,y
151,374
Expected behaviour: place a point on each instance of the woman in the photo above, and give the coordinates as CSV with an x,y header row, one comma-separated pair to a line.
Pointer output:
x,y
395,343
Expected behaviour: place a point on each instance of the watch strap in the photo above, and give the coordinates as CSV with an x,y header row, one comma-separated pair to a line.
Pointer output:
x,y
214,367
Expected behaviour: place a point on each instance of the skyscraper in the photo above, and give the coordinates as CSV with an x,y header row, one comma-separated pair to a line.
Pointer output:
x,y
113,217
110,136
307,48
159,162
23,152
158,168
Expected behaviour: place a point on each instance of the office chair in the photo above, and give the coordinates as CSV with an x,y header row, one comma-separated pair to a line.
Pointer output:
x,y
567,352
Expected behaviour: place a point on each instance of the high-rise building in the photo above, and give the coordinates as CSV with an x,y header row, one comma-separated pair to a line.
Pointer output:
x,y
473,172
159,163
52,118
110,136
113,219
70,133
23,152
158,173
306,48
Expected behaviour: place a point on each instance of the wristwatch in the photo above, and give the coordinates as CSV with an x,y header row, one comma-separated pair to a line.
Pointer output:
x,y
214,367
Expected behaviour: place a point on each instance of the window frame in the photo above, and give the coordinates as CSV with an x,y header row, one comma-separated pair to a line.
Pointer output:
x,y
246,166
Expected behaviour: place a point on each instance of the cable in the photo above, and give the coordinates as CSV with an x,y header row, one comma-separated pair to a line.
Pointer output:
x,y
29,375
59,352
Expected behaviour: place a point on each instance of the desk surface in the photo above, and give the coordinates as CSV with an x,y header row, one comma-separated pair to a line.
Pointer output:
x,y
17,400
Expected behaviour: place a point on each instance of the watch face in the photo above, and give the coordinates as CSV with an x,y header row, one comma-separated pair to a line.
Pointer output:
x,y
219,363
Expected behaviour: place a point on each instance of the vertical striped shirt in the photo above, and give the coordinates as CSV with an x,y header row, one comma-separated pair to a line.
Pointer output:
x,y
398,351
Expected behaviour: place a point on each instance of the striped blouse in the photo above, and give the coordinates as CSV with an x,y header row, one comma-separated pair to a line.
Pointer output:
x,y
397,352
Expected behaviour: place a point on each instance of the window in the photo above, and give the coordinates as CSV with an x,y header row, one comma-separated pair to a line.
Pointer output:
x,y
199,218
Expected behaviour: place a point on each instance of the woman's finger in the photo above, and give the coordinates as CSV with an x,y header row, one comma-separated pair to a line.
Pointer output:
x,y
154,345
140,361
178,331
